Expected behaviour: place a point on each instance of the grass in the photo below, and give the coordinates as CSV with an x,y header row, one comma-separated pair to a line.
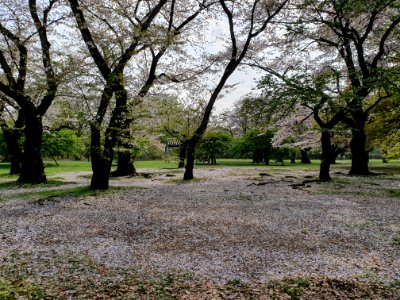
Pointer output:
x,y
65,166
22,289
42,196
14,184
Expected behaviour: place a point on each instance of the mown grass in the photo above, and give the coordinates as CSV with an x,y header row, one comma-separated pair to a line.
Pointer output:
x,y
65,166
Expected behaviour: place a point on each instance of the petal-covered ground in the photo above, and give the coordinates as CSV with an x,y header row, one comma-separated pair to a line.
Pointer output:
x,y
232,231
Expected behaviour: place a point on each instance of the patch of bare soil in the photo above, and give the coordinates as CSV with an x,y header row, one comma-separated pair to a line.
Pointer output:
x,y
236,231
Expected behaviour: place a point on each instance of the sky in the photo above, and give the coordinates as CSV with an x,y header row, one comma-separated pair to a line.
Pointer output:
x,y
246,81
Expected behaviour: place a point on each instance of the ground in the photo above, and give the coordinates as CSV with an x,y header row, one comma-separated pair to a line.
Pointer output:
x,y
231,233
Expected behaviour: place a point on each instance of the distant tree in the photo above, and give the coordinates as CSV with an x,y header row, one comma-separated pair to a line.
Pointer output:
x,y
178,121
63,143
212,145
256,143
383,128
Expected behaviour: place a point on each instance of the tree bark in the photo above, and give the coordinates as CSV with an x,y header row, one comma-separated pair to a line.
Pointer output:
x,y
101,173
125,165
32,168
359,156
13,138
335,151
304,156
191,147
101,164
293,158
102,158
213,160
326,155
182,154
125,160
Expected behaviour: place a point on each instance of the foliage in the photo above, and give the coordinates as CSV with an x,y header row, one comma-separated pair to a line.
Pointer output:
x,y
146,149
285,150
213,144
383,128
21,289
175,119
256,143
63,143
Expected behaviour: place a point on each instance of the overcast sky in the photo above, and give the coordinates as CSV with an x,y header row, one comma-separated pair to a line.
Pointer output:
x,y
246,82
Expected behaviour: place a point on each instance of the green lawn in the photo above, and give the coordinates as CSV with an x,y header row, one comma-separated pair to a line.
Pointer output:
x,y
78,166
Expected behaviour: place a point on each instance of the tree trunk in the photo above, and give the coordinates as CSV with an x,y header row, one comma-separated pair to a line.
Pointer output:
x,y
32,168
293,158
304,156
101,173
101,165
13,138
359,156
384,154
213,160
326,156
182,154
266,154
335,153
102,158
125,165
257,156
191,147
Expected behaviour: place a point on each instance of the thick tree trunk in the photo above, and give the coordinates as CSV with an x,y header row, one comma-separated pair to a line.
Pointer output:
x,y
101,164
359,156
102,158
304,156
182,154
335,151
13,138
257,156
32,168
213,160
101,173
326,155
266,154
125,165
191,147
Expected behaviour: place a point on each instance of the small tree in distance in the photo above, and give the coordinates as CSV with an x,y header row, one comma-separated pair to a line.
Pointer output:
x,y
213,144
63,143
